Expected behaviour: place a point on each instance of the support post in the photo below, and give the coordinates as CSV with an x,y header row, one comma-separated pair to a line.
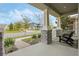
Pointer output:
x,y
59,22
75,27
46,31
78,32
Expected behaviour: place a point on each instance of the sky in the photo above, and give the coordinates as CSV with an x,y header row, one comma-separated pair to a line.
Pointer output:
x,y
11,13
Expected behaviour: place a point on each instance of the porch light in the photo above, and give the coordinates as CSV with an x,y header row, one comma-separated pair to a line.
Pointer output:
x,y
64,7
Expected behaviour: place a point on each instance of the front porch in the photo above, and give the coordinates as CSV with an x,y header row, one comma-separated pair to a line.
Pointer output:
x,y
42,49
50,45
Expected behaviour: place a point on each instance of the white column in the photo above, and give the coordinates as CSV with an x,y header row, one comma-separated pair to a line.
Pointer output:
x,y
46,20
75,27
78,29
78,22
59,22
46,31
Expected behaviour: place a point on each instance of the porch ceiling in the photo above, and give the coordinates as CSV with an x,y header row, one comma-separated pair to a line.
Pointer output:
x,y
64,8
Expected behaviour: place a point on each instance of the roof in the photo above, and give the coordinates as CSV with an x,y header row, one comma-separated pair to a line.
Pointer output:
x,y
64,8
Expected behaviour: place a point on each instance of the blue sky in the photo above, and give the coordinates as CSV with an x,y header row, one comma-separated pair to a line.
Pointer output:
x,y
11,13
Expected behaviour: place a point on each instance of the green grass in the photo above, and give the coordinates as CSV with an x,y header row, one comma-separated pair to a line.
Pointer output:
x,y
8,31
33,40
11,31
35,32
28,40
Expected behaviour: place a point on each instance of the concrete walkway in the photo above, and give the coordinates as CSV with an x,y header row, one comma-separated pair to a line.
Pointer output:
x,y
42,49
21,44
22,38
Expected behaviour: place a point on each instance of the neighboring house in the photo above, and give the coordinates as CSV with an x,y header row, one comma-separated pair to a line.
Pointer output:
x,y
3,27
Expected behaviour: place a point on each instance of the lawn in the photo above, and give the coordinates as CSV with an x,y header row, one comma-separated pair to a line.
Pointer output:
x,y
11,31
7,31
27,40
34,33
33,40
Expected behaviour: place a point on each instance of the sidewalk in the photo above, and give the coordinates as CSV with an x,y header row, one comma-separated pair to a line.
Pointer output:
x,y
21,44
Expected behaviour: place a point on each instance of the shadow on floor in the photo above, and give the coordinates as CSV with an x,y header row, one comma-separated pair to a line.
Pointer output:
x,y
75,45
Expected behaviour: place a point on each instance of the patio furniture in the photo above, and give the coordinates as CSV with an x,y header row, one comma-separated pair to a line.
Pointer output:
x,y
67,38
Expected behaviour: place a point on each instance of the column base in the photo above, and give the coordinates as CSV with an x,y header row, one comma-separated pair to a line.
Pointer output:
x,y
46,36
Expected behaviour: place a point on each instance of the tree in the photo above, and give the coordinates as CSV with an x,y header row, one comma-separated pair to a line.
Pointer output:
x,y
17,26
65,22
11,26
26,22
38,26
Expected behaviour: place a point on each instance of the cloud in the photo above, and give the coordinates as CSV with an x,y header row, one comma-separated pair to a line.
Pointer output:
x,y
15,15
27,12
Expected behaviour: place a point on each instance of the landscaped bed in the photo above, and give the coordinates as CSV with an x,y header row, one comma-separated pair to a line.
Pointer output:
x,y
9,45
33,40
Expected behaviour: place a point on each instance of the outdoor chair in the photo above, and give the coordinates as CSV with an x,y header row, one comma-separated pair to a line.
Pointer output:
x,y
68,38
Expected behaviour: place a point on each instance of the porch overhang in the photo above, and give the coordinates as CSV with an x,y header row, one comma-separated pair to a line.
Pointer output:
x,y
42,7
58,9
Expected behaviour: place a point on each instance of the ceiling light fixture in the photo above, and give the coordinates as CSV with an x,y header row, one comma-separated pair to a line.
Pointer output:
x,y
64,6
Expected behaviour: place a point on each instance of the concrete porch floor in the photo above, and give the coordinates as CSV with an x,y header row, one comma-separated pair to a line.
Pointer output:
x,y
42,49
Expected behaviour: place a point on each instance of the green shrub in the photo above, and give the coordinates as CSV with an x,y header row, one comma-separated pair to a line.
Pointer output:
x,y
9,42
34,36
39,35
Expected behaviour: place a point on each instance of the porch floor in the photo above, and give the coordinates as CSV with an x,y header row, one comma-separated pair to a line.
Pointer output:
x,y
42,49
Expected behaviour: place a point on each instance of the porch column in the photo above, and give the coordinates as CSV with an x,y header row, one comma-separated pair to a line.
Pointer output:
x,y
46,31
78,24
1,41
78,29
59,22
59,30
75,27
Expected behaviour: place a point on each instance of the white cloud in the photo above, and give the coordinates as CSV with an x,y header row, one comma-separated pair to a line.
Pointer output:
x,y
15,15
27,12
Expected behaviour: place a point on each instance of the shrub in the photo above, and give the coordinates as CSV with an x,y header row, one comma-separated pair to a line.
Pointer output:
x,y
9,42
34,36
39,35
